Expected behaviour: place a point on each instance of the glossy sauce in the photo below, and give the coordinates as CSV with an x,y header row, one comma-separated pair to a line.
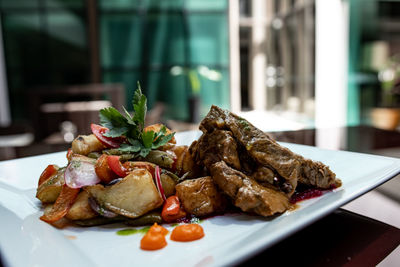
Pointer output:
x,y
187,232
309,193
154,239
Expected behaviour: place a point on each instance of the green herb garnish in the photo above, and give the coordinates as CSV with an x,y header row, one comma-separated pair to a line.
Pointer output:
x,y
131,127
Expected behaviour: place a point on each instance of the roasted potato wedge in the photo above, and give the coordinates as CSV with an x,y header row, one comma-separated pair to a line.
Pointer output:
x,y
133,196
168,184
49,190
200,196
81,209
84,144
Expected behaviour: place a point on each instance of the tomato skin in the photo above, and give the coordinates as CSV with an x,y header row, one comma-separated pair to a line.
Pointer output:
x,y
47,173
69,154
103,170
62,205
187,232
172,210
99,132
116,166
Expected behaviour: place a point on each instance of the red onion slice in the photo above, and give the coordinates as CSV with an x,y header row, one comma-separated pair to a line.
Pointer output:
x,y
157,177
80,173
100,210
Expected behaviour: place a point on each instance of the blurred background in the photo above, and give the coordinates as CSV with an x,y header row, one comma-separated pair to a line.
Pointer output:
x,y
282,64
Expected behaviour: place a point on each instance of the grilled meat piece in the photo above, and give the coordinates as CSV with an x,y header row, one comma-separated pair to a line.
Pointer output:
x,y
216,146
246,193
200,196
267,152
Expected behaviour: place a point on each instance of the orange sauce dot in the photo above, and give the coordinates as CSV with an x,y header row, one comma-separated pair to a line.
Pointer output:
x,y
155,238
158,229
187,232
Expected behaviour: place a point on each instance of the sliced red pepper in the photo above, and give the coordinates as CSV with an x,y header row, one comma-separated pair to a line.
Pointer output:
x,y
99,132
116,166
47,173
172,210
62,205
69,154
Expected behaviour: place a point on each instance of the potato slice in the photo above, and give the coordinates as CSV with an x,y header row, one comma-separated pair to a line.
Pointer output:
x,y
81,209
84,144
168,184
132,197
200,196
49,190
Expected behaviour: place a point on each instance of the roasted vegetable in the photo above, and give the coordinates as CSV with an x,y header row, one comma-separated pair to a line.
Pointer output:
x,y
81,209
172,210
147,219
183,159
80,172
84,144
49,190
62,205
200,196
132,197
103,170
47,173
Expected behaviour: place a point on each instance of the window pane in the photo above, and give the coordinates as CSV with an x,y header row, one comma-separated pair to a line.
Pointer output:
x,y
128,78
214,89
164,39
207,4
21,32
209,42
65,3
119,4
171,89
171,4
19,4
67,48
120,36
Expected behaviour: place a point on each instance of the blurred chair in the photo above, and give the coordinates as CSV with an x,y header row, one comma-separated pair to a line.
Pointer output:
x,y
12,137
69,110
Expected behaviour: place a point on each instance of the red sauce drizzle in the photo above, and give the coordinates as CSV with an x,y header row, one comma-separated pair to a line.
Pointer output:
x,y
309,193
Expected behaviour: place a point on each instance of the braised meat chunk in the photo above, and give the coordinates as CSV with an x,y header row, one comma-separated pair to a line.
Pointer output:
x,y
216,146
200,196
267,152
246,193
258,174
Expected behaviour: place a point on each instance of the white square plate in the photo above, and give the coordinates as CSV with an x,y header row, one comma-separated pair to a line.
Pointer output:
x,y
27,241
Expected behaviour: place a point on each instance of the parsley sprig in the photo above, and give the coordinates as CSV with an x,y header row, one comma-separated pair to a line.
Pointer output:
x,y
131,127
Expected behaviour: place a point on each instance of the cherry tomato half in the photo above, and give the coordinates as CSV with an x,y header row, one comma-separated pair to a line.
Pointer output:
x,y
99,132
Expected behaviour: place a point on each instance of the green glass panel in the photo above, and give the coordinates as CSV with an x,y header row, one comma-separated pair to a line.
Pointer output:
x,y
68,56
119,4
67,40
213,5
170,89
164,4
209,43
165,40
120,37
65,3
214,89
20,31
128,78
12,4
